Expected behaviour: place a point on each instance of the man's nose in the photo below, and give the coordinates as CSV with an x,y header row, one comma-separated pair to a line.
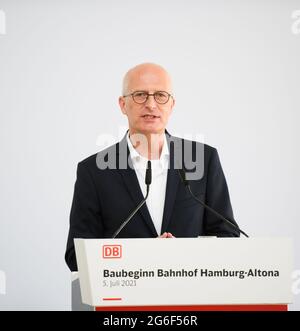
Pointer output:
x,y
150,102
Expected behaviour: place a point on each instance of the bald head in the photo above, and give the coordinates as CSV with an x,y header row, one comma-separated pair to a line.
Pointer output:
x,y
150,116
145,75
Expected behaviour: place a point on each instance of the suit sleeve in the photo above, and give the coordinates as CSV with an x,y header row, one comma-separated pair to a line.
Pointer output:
x,y
217,197
85,216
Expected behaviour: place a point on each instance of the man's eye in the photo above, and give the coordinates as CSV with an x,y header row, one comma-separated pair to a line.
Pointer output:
x,y
140,94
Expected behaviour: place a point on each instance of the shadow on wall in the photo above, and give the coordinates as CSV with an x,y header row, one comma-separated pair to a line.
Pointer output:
x,y
77,304
2,282
2,22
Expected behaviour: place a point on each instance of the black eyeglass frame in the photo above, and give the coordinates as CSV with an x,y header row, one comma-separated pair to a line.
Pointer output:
x,y
148,95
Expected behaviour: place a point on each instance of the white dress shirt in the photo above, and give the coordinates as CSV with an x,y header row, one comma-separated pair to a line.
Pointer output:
x,y
156,198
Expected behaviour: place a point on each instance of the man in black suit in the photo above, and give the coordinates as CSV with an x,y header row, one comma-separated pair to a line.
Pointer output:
x,y
110,184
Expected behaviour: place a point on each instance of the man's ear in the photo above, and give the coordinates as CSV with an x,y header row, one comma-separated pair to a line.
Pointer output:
x,y
122,105
173,104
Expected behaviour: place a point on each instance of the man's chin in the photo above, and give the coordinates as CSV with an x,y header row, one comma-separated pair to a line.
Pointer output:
x,y
151,130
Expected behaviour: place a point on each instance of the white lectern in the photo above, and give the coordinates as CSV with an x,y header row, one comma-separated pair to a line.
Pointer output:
x,y
185,273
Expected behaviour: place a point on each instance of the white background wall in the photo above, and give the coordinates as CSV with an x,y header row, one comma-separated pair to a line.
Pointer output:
x,y
235,67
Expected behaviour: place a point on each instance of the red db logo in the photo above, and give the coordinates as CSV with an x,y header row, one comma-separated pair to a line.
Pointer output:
x,y
112,251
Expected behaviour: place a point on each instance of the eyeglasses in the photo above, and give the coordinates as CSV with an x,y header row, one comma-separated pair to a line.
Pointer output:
x,y
140,97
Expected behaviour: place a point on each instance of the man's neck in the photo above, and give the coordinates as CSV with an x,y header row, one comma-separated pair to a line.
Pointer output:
x,y
148,145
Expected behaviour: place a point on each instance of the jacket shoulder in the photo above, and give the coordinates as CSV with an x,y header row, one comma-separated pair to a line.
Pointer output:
x,y
91,161
207,148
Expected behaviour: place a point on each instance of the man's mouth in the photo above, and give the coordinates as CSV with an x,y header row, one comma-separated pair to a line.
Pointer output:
x,y
150,116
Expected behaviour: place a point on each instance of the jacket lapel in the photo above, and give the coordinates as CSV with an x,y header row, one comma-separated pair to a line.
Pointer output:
x,y
125,168
172,184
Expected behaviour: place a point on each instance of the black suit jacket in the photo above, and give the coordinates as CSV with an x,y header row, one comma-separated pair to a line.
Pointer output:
x,y
104,198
